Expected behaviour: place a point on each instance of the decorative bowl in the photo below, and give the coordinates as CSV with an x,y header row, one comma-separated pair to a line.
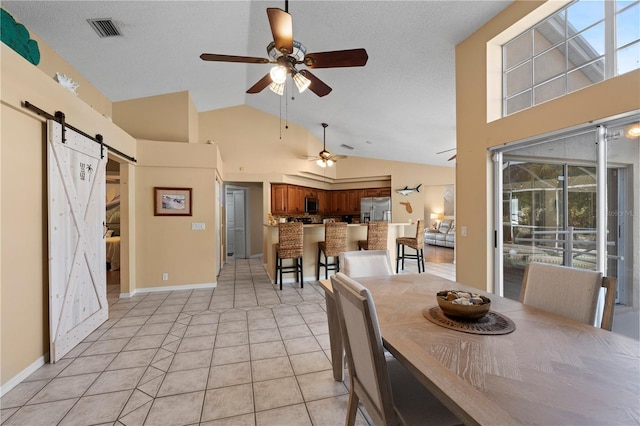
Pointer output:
x,y
457,310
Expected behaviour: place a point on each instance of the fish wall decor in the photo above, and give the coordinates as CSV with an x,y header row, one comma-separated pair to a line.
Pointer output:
x,y
406,190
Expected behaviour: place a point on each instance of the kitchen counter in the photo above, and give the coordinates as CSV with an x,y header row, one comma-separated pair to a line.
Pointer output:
x,y
313,233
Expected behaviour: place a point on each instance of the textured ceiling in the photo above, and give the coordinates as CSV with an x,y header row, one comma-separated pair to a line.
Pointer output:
x,y
400,106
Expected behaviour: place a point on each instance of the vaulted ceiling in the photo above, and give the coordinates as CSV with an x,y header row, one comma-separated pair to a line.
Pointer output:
x,y
399,106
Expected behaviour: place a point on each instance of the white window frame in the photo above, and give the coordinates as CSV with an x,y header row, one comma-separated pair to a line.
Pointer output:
x,y
609,56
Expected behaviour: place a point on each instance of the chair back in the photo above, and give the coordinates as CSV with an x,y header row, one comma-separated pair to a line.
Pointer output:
x,y
366,263
363,345
420,233
377,235
335,238
569,292
290,240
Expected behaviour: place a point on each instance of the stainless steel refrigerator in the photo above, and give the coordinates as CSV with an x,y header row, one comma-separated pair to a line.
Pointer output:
x,y
374,209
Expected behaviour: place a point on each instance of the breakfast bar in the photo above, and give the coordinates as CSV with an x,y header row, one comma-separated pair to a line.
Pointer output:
x,y
313,233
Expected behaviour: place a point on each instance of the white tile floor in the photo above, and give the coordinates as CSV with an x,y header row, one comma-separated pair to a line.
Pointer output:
x,y
242,354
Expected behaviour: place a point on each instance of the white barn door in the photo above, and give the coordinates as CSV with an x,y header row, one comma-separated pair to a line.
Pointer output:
x,y
77,259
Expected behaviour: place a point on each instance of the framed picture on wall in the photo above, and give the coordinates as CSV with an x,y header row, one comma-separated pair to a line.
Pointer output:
x,y
172,201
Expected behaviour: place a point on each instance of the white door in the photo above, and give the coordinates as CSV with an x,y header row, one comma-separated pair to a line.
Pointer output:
x,y
77,260
239,234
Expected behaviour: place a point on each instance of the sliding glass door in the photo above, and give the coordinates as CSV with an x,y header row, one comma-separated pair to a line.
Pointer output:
x,y
554,206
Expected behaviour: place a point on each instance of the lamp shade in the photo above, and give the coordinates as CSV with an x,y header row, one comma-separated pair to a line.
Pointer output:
x,y
278,74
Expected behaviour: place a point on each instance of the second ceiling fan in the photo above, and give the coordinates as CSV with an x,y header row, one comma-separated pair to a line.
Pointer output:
x,y
286,53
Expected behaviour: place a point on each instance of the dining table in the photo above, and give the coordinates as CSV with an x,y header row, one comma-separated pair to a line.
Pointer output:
x,y
545,369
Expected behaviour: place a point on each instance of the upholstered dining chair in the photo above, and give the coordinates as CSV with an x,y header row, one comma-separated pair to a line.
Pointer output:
x,y
366,263
290,246
335,242
376,236
416,243
569,292
389,392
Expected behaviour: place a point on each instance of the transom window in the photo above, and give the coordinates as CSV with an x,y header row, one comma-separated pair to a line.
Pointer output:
x,y
583,43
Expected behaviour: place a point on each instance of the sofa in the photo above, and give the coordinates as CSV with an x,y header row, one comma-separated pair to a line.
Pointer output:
x,y
444,235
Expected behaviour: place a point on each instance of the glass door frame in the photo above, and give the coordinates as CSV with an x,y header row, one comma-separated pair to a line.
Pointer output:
x,y
601,161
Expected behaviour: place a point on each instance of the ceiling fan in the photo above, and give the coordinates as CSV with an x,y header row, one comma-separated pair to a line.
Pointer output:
x,y
325,158
453,157
286,53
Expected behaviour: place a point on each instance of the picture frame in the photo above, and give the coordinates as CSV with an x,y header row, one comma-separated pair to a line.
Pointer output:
x,y
172,201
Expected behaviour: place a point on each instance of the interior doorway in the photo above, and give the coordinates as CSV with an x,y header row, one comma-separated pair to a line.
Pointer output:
x,y
236,206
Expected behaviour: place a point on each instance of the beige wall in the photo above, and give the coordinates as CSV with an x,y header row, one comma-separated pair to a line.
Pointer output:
x,y
51,62
161,118
23,212
167,244
475,135
241,130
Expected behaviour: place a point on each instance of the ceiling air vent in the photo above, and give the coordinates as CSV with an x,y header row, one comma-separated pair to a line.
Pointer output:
x,y
105,27
346,146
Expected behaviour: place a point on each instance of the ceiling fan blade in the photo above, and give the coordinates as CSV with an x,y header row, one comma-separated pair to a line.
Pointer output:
x,y
336,59
281,28
338,157
453,157
260,85
317,86
232,58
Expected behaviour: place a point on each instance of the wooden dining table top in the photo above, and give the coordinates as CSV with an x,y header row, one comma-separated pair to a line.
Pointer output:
x,y
549,371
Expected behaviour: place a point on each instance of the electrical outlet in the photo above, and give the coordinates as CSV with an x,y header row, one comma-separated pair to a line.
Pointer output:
x,y
165,276
463,231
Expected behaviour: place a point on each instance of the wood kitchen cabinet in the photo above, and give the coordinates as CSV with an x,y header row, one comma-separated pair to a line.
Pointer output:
x,y
289,199
322,202
279,198
295,197
354,200
377,192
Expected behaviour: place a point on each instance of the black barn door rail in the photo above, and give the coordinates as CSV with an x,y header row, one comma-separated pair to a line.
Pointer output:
x,y
60,118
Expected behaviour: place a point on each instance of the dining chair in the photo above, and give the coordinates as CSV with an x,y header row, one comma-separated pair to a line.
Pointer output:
x,y
416,243
290,246
366,263
569,292
376,236
335,242
388,391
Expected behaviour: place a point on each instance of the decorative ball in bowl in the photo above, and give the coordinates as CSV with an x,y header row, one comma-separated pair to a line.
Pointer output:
x,y
462,304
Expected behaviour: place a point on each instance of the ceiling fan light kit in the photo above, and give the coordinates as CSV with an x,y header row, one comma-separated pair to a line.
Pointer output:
x,y
285,53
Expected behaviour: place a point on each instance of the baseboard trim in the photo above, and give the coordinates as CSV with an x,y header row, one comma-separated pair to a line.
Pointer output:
x,y
18,378
145,290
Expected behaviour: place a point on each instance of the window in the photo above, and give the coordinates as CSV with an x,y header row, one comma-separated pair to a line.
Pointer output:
x,y
583,43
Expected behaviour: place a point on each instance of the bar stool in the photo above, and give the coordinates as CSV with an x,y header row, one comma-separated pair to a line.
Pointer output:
x,y
335,242
290,246
416,243
376,236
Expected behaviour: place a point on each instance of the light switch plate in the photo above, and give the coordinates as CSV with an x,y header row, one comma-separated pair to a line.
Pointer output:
x,y
463,231
197,226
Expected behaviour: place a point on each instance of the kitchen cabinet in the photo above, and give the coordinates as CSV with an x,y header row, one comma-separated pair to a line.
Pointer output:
x,y
289,199
377,192
354,197
279,198
322,202
295,198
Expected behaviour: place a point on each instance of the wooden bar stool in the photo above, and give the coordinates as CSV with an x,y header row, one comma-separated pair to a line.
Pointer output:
x,y
290,246
335,242
416,243
376,236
